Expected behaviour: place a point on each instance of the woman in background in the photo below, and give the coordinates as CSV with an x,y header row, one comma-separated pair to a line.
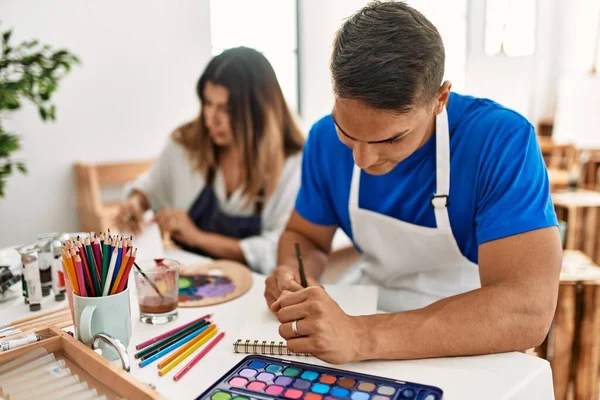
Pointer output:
x,y
226,182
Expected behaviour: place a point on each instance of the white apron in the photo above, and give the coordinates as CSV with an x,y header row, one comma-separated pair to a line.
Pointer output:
x,y
412,265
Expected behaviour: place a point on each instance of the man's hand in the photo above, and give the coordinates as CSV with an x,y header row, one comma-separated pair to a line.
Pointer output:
x,y
284,278
326,331
178,225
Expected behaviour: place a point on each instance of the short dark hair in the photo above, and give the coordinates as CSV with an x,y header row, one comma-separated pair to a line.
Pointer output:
x,y
388,56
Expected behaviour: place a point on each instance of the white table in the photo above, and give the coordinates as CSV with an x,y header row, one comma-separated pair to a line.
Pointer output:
x,y
498,376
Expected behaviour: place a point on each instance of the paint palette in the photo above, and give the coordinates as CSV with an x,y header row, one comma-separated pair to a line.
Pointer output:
x,y
264,378
214,283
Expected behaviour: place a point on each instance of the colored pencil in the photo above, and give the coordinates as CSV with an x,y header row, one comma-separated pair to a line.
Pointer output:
x,y
300,265
80,277
117,281
169,333
118,263
198,357
89,252
89,287
111,269
183,348
97,251
69,268
186,353
155,348
125,277
173,346
105,259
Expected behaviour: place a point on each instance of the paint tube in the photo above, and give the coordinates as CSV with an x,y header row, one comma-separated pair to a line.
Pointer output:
x,y
14,343
25,358
58,385
28,384
60,394
29,257
86,395
24,369
58,274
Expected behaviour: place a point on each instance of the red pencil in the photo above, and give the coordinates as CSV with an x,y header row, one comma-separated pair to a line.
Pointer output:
x,y
125,276
169,333
85,273
97,252
195,360
86,270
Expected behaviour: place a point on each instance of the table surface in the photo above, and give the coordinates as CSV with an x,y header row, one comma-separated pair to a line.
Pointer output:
x,y
497,376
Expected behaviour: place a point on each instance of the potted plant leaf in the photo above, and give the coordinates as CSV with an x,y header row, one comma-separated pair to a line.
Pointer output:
x,y
29,71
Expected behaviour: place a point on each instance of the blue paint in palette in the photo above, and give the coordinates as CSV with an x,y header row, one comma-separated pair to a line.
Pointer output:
x,y
257,364
309,375
360,396
274,368
340,393
267,378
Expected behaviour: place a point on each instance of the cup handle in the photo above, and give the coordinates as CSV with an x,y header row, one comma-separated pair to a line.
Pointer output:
x,y
116,343
85,324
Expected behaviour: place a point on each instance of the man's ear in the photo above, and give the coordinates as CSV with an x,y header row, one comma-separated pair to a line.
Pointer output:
x,y
442,97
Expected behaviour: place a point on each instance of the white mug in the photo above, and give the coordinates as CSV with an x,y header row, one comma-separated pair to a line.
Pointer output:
x,y
110,315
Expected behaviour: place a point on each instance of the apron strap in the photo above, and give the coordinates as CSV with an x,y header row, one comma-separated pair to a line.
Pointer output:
x,y
439,201
210,176
260,202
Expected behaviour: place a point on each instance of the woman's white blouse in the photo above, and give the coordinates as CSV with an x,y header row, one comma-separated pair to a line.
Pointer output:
x,y
172,182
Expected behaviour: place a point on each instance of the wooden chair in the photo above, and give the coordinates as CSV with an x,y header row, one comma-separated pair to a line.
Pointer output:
x,y
95,214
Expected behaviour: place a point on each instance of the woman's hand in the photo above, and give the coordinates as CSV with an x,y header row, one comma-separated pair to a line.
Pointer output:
x,y
178,225
130,216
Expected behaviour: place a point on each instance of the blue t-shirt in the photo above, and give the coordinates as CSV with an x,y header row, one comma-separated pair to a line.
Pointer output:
x,y
498,180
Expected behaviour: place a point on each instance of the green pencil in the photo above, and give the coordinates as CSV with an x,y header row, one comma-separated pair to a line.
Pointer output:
x,y
105,259
92,266
156,347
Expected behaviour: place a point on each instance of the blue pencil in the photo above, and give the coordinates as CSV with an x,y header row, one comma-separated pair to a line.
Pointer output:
x,y
172,347
118,264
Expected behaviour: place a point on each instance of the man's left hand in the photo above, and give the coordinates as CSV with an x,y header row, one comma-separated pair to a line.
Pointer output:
x,y
325,330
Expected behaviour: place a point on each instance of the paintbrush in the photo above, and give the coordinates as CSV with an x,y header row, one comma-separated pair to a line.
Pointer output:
x,y
148,280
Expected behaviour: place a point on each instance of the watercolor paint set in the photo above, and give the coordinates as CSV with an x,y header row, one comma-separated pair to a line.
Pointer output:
x,y
260,378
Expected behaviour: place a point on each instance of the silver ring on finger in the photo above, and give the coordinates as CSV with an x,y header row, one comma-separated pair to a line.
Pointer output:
x,y
295,328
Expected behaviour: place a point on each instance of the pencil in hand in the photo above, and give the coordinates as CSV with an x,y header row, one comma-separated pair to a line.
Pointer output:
x,y
300,266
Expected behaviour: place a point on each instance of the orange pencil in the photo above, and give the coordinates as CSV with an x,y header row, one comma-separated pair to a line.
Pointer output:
x,y
68,267
124,263
185,347
125,276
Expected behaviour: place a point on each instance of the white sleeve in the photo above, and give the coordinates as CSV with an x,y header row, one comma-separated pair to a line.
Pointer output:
x,y
260,251
156,183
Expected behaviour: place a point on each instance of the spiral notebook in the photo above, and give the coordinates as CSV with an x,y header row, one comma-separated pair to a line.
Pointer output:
x,y
261,336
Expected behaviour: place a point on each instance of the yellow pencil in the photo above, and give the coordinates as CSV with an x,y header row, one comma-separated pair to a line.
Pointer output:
x,y
120,274
186,353
185,347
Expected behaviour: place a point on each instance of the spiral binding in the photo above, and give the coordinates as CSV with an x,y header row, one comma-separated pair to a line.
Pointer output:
x,y
254,347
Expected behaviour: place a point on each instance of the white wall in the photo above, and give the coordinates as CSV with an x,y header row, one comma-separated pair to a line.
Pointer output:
x,y
141,60
319,20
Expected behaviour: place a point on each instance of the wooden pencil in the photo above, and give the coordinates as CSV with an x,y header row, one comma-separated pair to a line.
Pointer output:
x,y
186,353
198,357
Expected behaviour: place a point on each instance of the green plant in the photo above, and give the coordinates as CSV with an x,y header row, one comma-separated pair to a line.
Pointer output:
x,y
28,71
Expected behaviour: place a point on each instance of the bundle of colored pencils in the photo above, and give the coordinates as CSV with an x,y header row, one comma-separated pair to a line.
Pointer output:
x,y
99,265
179,343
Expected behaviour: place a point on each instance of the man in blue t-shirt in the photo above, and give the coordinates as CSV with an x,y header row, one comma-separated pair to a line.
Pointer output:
x,y
445,196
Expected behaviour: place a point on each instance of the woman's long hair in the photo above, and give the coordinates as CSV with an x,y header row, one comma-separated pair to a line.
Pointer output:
x,y
264,130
